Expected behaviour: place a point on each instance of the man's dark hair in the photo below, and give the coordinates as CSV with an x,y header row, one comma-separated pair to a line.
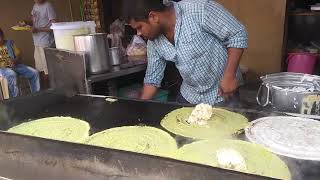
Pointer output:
x,y
139,10
1,33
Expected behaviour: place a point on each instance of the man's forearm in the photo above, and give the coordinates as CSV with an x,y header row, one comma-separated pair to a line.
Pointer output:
x,y
234,56
148,92
44,29
47,27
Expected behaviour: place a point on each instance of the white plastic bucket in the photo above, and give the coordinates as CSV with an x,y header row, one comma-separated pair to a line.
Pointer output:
x,y
64,32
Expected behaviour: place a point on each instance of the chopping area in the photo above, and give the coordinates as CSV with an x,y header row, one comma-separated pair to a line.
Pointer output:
x,y
159,89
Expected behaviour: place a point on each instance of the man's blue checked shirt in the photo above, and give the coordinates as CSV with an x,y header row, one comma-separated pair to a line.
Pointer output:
x,y
204,31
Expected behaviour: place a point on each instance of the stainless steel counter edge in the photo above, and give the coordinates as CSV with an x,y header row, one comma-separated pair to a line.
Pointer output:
x,y
115,74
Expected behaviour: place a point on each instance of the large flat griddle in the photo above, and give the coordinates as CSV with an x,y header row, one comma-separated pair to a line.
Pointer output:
x,y
23,157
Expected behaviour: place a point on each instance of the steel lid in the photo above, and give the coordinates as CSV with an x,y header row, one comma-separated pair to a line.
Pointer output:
x,y
289,77
293,137
287,80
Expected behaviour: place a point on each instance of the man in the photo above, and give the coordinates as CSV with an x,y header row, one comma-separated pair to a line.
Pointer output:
x,y
10,67
203,40
43,15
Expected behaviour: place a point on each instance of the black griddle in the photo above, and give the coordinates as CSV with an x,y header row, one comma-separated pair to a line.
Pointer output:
x,y
23,157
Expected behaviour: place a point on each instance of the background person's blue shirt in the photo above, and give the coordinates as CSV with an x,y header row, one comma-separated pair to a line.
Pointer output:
x,y
204,31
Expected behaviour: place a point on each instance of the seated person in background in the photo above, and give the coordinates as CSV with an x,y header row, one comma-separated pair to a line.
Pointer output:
x,y
10,67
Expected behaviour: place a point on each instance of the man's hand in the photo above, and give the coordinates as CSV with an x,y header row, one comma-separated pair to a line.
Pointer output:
x,y
35,30
228,86
25,23
22,23
229,83
148,92
11,64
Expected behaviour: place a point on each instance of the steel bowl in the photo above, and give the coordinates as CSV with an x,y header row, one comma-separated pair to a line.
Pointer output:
x,y
290,92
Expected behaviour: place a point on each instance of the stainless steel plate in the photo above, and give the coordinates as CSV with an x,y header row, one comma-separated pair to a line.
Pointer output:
x,y
293,137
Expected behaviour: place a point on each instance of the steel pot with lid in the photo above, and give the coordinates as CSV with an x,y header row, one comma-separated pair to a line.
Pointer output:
x,y
97,50
291,92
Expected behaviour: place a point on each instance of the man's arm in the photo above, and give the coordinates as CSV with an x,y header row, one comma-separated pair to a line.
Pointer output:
x,y
154,73
26,22
229,82
148,92
17,59
219,22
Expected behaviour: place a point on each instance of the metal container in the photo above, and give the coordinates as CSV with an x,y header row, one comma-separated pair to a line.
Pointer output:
x,y
278,134
290,92
97,50
115,56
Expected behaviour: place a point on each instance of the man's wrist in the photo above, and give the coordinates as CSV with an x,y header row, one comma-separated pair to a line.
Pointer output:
x,y
229,75
148,92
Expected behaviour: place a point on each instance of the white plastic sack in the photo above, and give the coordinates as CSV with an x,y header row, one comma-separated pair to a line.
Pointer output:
x,y
137,47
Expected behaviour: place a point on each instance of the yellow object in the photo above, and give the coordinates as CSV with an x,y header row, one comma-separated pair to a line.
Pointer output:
x,y
56,128
139,139
223,124
239,156
21,28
